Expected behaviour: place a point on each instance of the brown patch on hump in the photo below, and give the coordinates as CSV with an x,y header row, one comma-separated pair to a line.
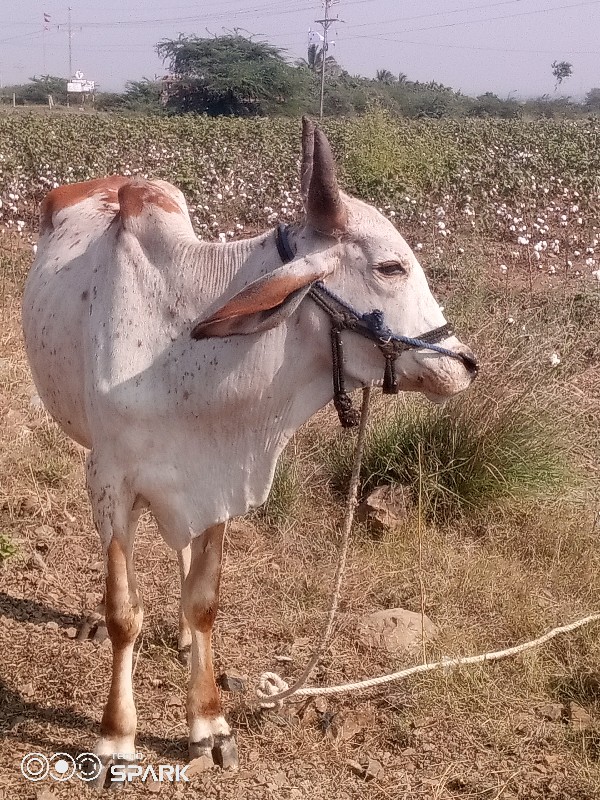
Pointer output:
x,y
73,193
135,198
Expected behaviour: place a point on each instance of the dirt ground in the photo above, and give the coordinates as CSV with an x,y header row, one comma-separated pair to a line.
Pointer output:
x,y
521,728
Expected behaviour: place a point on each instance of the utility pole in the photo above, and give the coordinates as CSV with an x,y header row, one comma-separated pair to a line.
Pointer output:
x,y
326,24
70,35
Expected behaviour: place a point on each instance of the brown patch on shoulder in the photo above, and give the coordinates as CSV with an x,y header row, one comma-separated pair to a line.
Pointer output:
x,y
135,198
73,193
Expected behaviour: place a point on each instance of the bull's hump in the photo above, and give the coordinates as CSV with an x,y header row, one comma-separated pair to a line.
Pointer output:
x,y
140,197
104,190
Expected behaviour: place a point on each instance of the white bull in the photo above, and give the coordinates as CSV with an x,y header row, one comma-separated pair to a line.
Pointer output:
x,y
192,427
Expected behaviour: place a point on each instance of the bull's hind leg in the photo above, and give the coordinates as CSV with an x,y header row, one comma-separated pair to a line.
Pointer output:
x,y
210,735
116,522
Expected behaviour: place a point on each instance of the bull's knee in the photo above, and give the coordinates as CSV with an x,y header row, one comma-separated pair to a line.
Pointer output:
x,y
201,614
124,624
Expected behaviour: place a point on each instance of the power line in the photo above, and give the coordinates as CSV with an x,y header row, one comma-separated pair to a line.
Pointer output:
x,y
483,19
434,14
493,49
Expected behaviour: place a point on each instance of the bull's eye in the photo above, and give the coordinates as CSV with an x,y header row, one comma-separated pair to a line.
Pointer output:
x,y
391,268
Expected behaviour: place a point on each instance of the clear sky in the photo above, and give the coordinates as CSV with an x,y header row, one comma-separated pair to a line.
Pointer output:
x,y
504,46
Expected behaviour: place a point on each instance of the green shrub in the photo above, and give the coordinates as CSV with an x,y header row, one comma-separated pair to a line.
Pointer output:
x,y
462,458
7,548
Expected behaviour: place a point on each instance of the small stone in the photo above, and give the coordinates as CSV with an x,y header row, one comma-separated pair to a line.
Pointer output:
x,y
374,770
580,719
346,727
356,768
28,690
199,765
71,633
384,508
396,630
320,704
45,532
37,561
174,700
52,626
97,566
233,682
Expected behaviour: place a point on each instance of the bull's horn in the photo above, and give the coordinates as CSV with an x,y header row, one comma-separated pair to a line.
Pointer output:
x,y
325,208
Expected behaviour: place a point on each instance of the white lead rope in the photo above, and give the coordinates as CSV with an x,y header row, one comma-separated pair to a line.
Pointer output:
x,y
271,683
272,690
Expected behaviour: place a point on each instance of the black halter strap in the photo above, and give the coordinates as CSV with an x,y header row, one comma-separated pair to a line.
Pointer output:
x,y
371,325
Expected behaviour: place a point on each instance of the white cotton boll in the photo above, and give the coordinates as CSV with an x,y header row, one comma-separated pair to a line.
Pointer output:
x,y
523,240
596,275
510,321
441,225
554,360
503,269
222,238
551,269
418,247
576,253
590,262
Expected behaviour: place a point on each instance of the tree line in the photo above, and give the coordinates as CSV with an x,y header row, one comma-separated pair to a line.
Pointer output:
x,y
236,75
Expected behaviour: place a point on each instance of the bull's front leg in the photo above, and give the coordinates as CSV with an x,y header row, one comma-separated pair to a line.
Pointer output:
x,y
210,735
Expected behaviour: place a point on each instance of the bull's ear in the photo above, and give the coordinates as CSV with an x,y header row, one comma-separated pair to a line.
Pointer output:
x,y
325,208
263,304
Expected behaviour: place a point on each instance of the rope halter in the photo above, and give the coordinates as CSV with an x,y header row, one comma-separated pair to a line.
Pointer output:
x,y
370,325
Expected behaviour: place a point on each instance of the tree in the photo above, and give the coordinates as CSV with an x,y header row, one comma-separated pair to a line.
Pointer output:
x,y
385,76
592,100
314,61
230,75
561,70
38,89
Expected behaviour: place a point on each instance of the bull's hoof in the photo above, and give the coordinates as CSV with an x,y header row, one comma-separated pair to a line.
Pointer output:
x,y
103,779
225,752
213,751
